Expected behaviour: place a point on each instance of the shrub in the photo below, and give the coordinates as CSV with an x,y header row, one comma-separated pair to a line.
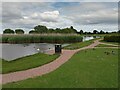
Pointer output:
x,y
112,38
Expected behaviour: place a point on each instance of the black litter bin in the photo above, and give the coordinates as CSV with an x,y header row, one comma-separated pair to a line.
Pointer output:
x,y
58,48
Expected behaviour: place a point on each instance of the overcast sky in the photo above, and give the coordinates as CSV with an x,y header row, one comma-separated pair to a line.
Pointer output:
x,y
81,15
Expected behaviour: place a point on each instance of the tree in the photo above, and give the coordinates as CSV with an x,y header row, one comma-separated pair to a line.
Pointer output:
x,y
51,30
95,31
58,30
8,31
114,32
89,33
73,30
19,31
106,32
68,30
33,32
118,31
85,33
81,32
71,27
102,32
41,29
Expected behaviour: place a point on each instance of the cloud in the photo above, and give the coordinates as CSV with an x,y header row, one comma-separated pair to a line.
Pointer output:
x,y
50,16
98,17
93,13
60,14
60,0
29,0
10,12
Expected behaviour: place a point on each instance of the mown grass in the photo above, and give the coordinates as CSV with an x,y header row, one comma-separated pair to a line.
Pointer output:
x,y
27,62
116,43
0,65
103,45
79,45
45,38
87,69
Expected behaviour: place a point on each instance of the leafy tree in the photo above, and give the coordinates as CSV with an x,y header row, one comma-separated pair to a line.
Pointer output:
x,y
89,33
33,32
41,29
73,30
68,30
51,30
102,32
58,30
106,32
114,32
95,31
85,33
81,32
8,31
65,30
71,27
19,31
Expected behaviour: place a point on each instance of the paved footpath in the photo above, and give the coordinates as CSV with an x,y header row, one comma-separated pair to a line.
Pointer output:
x,y
47,68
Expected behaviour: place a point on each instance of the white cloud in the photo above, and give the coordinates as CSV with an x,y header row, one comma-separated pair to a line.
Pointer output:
x,y
81,15
50,16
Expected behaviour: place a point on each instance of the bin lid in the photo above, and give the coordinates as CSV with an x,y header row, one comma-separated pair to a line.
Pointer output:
x,y
57,44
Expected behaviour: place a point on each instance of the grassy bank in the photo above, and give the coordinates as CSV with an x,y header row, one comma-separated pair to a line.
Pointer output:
x,y
0,65
41,38
103,45
79,45
86,69
115,43
27,62
102,35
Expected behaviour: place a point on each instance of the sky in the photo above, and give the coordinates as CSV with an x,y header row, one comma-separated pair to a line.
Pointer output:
x,y
85,16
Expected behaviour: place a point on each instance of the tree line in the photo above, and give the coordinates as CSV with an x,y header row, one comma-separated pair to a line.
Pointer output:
x,y
43,29
97,32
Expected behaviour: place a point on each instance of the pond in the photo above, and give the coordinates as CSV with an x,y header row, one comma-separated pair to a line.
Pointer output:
x,y
86,38
14,51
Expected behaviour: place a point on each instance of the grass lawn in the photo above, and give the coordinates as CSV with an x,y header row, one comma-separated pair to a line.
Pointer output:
x,y
103,45
27,62
79,45
116,43
86,69
0,65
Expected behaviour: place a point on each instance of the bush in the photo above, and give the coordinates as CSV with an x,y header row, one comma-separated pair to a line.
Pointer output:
x,y
112,38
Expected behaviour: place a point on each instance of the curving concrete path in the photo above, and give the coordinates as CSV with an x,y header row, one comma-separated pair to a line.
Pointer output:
x,y
47,68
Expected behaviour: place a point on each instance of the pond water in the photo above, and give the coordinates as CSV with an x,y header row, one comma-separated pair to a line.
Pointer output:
x,y
86,38
14,51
